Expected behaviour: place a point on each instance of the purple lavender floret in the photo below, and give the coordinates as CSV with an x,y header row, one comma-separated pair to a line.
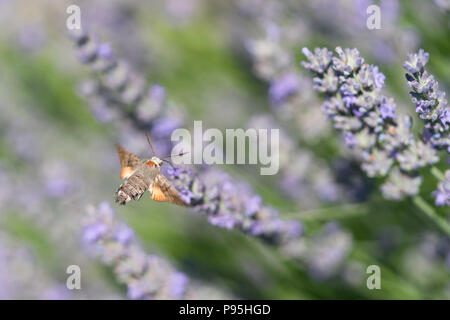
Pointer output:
x,y
146,276
319,61
284,86
382,140
94,231
164,126
387,109
431,104
349,139
442,194
326,84
157,93
105,51
253,205
399,184
347,62
58,187
416,61
178,284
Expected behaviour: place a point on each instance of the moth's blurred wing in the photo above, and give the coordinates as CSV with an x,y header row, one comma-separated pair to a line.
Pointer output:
x,y
128,161
162,191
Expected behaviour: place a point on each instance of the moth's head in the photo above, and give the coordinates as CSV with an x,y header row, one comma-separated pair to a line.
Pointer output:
x,y
155,161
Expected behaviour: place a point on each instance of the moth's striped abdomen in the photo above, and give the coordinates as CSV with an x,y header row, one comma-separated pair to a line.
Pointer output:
x,y
132,189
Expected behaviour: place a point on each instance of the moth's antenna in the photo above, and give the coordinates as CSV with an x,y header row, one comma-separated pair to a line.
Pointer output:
x,y
150,142
175,155
168,156
169,162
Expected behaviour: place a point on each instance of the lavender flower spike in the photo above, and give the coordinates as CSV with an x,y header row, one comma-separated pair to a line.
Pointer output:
x,y
146,276
119,85
382,140
231,204
431,104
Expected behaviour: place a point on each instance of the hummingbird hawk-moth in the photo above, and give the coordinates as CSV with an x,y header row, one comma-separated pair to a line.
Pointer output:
x,y
141,175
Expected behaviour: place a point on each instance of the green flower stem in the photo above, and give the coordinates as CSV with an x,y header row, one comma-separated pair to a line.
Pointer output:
x,y
331,213
438,174
431,213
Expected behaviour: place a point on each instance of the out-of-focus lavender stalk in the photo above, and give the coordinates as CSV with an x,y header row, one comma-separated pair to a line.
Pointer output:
x,y
382,140
327,251
146,276
290,92
22,277
423,260
119,86
443,5
227,202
